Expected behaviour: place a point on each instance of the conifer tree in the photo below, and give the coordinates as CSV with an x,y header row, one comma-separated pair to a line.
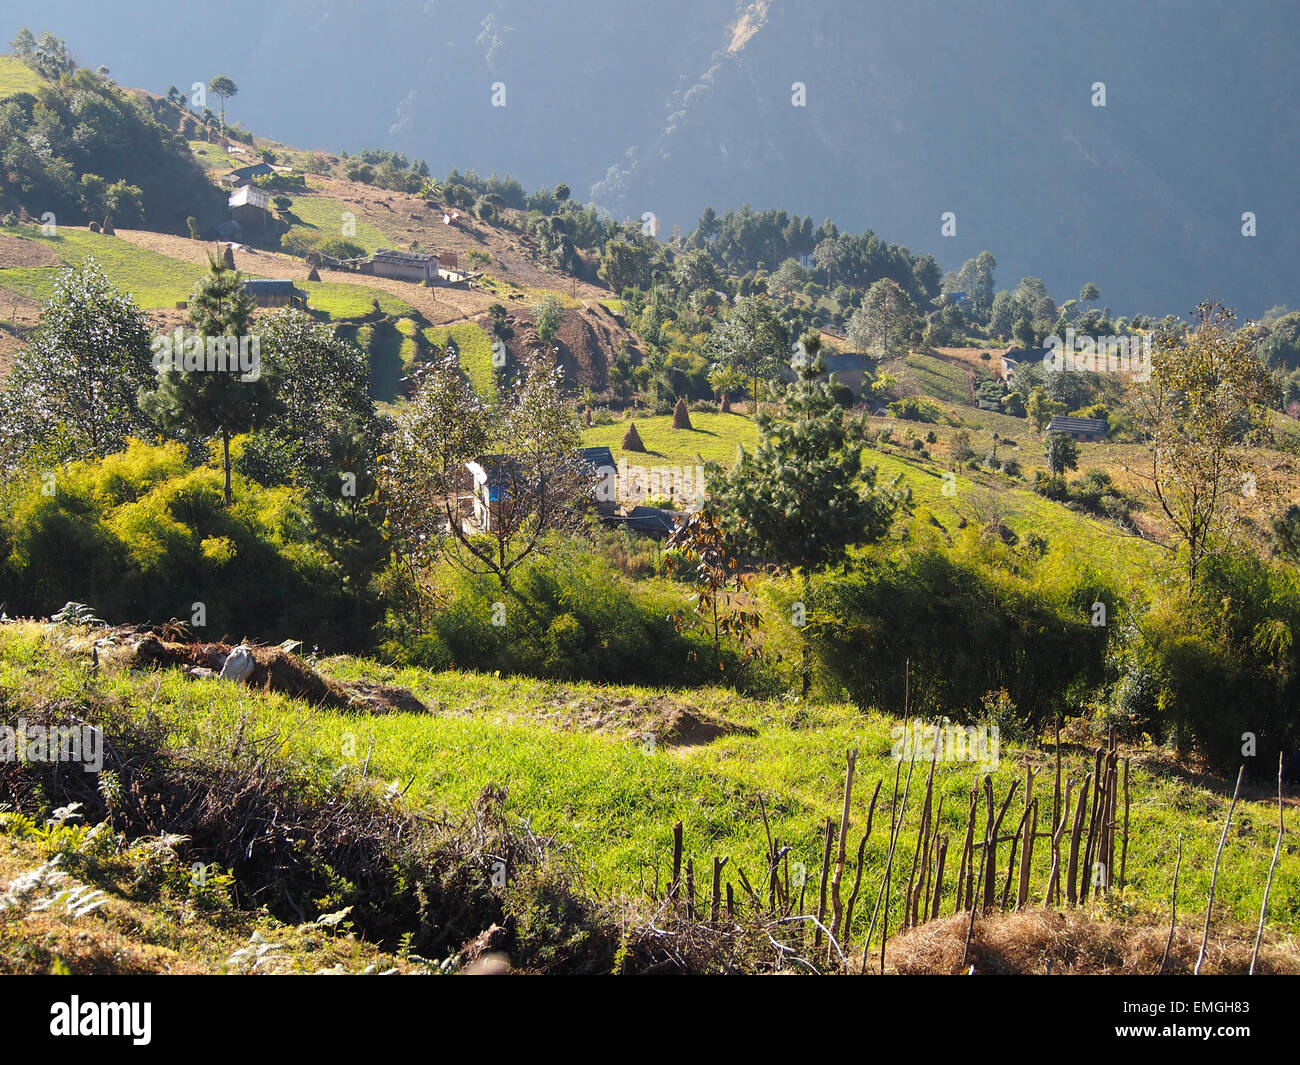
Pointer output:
x,y
202,397
802,498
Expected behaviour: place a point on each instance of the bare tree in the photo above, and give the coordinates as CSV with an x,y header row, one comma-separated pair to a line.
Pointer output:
x,y
484,484
1202,412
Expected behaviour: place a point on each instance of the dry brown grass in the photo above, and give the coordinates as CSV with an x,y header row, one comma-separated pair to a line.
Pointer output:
x,y
406,218
248,261
19,252
1075,943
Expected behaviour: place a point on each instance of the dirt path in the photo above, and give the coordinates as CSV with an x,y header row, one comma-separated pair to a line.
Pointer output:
x,y
247,260
19,252
440,305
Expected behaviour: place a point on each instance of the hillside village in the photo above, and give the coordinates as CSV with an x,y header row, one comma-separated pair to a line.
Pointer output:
x,y
536,592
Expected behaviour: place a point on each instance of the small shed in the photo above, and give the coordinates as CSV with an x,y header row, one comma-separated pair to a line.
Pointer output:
x,y
850,368
1089,430
600,457
275,293
250,207
650,521
244,175
404,265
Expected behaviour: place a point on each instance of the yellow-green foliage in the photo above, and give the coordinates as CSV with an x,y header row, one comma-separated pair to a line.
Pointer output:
x,y
16,76
140,534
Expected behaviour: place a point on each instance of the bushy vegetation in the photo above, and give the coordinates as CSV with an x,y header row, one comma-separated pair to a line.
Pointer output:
x,y
143,536
1216,669
954,630
78,144
1094,493
570,616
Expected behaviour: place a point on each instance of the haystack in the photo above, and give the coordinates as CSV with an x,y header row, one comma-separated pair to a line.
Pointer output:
x,y
681,416
632,439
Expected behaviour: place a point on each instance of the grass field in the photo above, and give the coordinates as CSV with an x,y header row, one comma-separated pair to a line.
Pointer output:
x,y
978,496
938,378
475,352
324,216
713,438
973,495
386,347
344,302
578,763
16,76
153,280
215,157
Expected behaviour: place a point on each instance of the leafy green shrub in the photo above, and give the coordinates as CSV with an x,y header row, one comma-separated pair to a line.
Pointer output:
x,y
916,409
1209,670
288,182
143,537
304,242
966,627
571,616
1094,493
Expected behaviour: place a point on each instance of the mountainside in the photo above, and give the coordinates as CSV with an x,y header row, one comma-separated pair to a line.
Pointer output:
x,y
992,118
667,108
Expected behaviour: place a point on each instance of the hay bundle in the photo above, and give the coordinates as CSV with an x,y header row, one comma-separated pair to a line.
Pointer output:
x,y
681,416
632,439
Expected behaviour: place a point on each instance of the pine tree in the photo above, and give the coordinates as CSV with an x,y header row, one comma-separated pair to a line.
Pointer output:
x,y
803,498
205,399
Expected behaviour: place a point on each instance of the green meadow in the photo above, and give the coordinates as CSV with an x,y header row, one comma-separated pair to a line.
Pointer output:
x,y
596,768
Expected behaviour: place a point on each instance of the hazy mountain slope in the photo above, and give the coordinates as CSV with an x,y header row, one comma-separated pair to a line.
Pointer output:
x,y
916,110
912,110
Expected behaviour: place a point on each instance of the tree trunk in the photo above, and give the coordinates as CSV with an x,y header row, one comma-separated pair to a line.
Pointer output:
x,y
225,451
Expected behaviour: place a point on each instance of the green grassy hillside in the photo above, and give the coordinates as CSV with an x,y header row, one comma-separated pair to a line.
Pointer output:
x,y
607,770
152,279
16,76
713,437
326,217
